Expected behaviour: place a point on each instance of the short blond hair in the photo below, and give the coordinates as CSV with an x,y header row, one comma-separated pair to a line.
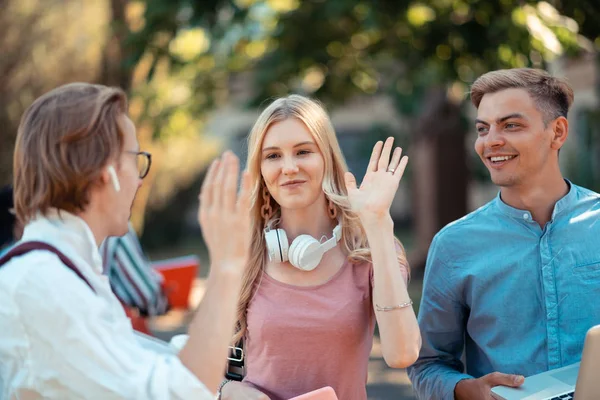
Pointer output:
x,y
553,96
64,140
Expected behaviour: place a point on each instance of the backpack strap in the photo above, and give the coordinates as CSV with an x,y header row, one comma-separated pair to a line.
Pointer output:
x,y
26,247
235,365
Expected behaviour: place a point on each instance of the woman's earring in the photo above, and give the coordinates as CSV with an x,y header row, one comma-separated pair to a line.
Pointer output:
x,y
266,211
332,209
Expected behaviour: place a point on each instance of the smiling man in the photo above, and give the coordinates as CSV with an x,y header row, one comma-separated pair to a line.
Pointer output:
x,y
515,283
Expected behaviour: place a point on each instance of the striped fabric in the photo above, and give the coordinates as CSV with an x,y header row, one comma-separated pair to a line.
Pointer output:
x,y
131,277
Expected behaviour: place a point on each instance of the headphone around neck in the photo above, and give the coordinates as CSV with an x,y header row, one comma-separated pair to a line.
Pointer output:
x,y
304,253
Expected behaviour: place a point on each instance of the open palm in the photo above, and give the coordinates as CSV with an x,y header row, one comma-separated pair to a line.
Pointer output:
x,y
372,200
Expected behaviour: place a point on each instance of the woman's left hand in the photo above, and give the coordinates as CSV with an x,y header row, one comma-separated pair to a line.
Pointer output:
x,y
372,200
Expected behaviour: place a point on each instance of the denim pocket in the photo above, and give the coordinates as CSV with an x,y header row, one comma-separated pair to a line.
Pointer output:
x,y
588,270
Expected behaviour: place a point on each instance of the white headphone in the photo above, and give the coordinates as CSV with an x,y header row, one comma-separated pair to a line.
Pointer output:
x,y
304,253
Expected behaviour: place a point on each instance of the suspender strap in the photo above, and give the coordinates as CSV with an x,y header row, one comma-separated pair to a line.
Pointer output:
x,y
26,247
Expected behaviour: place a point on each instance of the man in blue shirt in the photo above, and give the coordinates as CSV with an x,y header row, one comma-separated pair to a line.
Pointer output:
x,y
516,283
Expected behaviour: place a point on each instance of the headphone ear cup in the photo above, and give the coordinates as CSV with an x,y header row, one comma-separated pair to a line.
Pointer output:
x,y
293,250
277,245
284,244
304,253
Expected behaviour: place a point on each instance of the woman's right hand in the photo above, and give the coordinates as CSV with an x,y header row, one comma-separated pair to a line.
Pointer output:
x,y
240,391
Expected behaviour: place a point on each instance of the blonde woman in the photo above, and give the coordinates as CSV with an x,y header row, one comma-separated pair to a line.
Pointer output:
x,y
308,308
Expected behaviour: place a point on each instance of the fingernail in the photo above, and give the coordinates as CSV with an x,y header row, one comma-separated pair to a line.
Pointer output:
x,y
519,379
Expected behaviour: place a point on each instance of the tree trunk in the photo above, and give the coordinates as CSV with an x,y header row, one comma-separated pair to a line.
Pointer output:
x,y
440,171
114,71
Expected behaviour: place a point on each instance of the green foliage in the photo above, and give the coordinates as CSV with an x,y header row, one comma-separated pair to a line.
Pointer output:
x,y
43,44
584,166
337,48
401,47
172,55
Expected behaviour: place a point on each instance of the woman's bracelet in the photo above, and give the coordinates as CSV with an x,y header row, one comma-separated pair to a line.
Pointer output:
x,y
220,389
396,307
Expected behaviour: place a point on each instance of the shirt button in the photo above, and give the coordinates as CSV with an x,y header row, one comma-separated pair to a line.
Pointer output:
x,y
526,216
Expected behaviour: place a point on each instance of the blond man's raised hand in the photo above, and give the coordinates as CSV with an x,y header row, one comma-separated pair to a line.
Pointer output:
x,y
224,214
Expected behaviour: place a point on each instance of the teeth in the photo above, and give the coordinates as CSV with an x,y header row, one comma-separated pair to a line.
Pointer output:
x,y
503,158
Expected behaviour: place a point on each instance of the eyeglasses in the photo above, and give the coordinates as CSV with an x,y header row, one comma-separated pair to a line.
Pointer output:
x,y
144,161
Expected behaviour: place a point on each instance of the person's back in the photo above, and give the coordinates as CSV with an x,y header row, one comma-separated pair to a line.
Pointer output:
x,y
63,333
62,338
514,284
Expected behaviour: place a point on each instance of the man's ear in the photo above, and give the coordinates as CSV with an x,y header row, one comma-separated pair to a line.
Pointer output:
x,y
560,132
104,178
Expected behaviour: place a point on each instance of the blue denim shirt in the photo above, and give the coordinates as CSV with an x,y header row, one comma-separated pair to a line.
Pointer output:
x,y
517,298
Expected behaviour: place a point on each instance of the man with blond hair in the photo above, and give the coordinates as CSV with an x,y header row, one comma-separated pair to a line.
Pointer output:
x,y
514,284
63,333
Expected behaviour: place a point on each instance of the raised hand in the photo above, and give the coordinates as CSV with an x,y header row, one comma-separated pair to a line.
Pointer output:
x,y
372,200
224,215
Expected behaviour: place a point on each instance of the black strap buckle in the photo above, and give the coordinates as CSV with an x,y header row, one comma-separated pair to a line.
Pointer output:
x,y
236,355
235,367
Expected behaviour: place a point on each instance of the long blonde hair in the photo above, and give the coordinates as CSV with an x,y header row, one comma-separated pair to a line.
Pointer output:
x,y
354,240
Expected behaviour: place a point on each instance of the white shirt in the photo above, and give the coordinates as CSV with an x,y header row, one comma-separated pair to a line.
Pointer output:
x,y
60,340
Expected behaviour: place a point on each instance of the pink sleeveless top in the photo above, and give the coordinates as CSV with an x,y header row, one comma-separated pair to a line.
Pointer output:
x,y
303,338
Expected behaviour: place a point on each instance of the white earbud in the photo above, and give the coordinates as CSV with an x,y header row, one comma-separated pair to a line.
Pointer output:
x,y
114,178
304,253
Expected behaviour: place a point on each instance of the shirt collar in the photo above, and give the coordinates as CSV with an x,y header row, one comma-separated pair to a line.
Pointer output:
x,y
68,233
567,201
524,215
